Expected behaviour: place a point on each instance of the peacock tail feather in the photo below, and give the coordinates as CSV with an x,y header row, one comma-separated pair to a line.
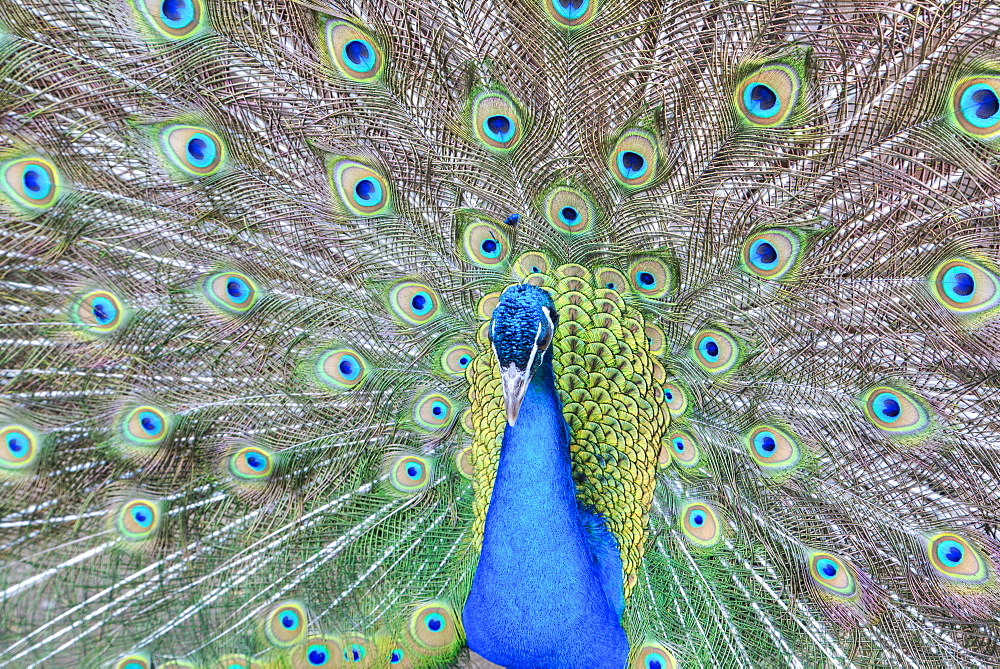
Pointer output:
x,y
250,411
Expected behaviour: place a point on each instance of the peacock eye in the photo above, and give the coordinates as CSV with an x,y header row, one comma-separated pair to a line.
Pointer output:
x,y
653,656
363,191
410,473
570,13
354,53
771,254
137,519
895,412
174,19
954,558
433,626
569,210
285,624
776,451
192,150
767,97
975,106
30,183
633,159
496,121
485,245
965,287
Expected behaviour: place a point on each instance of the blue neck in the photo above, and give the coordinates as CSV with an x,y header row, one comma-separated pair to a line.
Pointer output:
x,y
537,597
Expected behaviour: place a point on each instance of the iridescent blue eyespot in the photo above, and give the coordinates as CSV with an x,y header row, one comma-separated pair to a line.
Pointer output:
x,y
195,151
959,284
435,622
359,55
767,97
396,656
763,255
761,100
765,444
433,626
495,121
980,105
827,568
499,128
569,215
886,407
631,165
37,182
709,348
355,653
317,655
201,150
31,184
950,553
975,106
176,13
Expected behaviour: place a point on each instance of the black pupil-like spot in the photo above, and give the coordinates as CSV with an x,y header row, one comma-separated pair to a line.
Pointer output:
x,y
412,471
139,516
987,103
317,657
434,624
196,147
364,189
99,313
234,289
570,4
964,284
14,444
148,425
173,9
646,279
698,519
711,348
489,246
395,657
253,461
357,52
632,161
766,253
609,285
830,569
535,270
31,178
498,125
669,395
890,408
418,302
679,445
954,554
569,213
357,656
345,367
763,96
436,410
767,443
654,664
463,361
288,622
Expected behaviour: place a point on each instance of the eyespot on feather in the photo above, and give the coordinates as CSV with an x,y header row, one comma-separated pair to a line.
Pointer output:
x,y
485,245
433,626
285,624
715,351
456,359
683,449
975,106
30,184
957,560
610,279
652,655
568,210
231,293
145,426
463,462
195,151
411,473
965,287
767,97
650,277
496,122
633,160
19,450
700,525
137,520
353,51
771,254
100,311
532,262
570,14
774,450
433,412
134,661
833,574
319,651
414,302
251,464
173,19
895,412
676,398
341,369
363,191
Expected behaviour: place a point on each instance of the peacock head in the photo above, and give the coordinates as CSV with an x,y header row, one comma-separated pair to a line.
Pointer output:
x,y
523,324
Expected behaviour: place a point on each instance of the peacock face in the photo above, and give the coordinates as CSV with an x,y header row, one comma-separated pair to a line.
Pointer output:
x,y
521,331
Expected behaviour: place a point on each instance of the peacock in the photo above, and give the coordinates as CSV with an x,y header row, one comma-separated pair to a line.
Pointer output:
x,y
520,333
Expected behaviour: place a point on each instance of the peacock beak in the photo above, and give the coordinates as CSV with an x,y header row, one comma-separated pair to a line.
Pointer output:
x,y
515,384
